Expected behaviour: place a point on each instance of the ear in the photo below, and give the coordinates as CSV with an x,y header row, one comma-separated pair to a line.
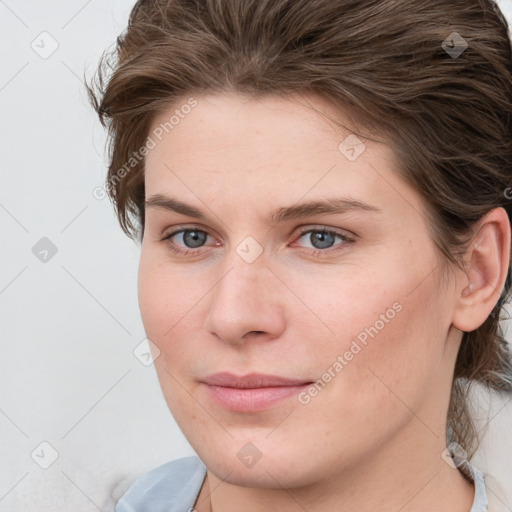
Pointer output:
x,y
487,260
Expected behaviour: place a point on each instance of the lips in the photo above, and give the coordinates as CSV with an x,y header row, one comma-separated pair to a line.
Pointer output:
x,y
251,393
252,380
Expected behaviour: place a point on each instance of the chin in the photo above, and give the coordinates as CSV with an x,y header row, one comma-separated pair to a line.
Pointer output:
x,y
276,470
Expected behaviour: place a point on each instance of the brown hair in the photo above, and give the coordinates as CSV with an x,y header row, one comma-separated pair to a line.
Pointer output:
x,y
393,64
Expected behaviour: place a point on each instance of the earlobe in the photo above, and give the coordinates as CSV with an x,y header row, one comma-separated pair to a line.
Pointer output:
x,y
488,259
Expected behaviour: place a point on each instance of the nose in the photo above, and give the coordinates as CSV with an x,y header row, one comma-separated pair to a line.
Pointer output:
x,y
246,303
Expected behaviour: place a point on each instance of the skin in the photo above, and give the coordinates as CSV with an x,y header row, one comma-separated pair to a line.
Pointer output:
x,y
373,437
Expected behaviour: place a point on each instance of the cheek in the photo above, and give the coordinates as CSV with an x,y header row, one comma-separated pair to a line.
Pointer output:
x,y
380,329
166,296
164,302
170,306
390,350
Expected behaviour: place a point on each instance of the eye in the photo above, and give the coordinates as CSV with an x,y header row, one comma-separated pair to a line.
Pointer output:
x,y
184,241
187,241
321,239
193,238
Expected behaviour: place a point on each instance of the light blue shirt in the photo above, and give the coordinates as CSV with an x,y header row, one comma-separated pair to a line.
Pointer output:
x,y
175,486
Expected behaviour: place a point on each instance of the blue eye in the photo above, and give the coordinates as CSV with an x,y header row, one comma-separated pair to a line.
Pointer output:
x,y
322,239
191,239
187,241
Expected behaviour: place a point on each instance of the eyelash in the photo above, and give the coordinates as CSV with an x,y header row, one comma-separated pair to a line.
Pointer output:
x,y
315,252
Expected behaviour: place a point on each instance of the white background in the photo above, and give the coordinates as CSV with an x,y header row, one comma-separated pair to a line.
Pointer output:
x,y
68,375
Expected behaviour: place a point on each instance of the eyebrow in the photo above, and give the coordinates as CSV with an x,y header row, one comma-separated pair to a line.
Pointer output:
x,y
336,205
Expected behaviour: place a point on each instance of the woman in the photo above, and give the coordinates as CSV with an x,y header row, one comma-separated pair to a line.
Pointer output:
x,y
320,193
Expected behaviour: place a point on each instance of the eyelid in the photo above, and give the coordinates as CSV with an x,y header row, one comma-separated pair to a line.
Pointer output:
x,y
348,235
301,230
180,228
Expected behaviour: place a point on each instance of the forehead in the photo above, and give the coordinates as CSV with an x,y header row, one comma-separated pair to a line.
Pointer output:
x,y
266,148
232,120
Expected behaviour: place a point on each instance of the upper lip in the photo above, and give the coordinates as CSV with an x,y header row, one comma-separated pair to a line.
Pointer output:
x,y
251,380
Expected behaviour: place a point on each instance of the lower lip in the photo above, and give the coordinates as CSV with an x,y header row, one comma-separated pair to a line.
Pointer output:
x,y
252,399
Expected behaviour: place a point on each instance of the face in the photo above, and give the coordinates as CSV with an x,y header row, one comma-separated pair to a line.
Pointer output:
x,y
289,281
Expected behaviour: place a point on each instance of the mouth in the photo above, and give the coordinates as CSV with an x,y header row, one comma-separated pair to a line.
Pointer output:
x,y
253,392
